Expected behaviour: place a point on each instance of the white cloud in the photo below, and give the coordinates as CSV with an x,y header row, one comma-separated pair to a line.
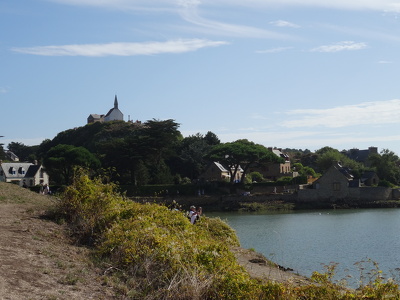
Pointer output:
x,y
379,5
341,46
190,14
274,50
121,49
3,90
281,23
368,113
385,62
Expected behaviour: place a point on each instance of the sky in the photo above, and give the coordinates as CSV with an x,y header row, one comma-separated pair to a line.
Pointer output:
x,y
281,73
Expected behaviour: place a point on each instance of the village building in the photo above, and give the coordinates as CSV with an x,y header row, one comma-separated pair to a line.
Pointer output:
x,y
217,172
338,185
274,171
360,155
23,174
114,114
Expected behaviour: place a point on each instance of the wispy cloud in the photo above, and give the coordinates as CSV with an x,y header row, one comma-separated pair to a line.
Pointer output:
x,y
379,5
281,23
190,14
274,50
341,46
122,49
385,62
3,90
368,113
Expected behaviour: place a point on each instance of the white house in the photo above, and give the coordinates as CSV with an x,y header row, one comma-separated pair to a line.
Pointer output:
x,y
114,114
23,174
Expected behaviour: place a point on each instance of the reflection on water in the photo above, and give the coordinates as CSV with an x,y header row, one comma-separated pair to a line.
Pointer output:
x,y
307,240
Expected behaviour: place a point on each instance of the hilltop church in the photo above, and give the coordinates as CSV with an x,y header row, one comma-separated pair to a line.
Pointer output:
x,y
114,114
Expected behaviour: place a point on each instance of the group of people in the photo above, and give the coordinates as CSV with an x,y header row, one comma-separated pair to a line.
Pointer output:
x,y
44,189
194,214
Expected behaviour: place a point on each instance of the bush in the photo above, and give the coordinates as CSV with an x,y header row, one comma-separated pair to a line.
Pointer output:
x,y
156,253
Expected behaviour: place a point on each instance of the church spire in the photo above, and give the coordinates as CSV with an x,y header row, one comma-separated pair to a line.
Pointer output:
x,y
115,102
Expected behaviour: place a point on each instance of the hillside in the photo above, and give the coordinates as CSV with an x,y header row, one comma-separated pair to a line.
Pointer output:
x,y
37,260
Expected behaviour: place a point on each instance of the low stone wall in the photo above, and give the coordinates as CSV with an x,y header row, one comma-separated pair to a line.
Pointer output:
x,y
362,194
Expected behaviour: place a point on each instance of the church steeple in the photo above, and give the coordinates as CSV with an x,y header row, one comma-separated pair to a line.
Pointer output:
x,y
115,102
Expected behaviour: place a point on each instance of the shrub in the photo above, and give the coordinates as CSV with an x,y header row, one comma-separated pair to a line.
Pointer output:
x,y
156,253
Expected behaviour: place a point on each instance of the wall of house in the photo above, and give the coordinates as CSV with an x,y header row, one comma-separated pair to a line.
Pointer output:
x,y
333,185
116,114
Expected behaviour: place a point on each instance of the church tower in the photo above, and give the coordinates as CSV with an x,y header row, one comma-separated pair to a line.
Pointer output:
x,y
114,113
115,102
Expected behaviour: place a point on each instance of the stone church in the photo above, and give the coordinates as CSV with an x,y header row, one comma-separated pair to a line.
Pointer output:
x,y
114,114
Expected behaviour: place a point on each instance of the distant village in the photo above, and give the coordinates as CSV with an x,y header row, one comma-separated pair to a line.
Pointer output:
x,y
337,184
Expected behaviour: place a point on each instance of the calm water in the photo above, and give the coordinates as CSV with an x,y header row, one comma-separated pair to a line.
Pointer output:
x,y
305,241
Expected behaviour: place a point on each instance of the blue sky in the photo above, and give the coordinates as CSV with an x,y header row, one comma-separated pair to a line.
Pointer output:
x,y
283,73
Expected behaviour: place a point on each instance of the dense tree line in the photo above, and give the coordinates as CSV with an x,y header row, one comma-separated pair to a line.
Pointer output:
x,y
156,152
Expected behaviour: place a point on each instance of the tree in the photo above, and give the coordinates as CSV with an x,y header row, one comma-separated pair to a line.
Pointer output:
x,y
304,171
61,160
2,154
386,165
191,160
211,138
24,152
327,156
241,153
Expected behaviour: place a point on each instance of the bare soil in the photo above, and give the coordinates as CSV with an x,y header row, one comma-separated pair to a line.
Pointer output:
x,y
39,261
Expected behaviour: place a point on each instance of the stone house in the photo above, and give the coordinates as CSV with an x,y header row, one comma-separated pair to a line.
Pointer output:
x,y
360,155
273,171
20,173
337,184
369,178
217,172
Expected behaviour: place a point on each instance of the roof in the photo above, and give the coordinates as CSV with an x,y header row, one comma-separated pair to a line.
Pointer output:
x,y
95,116
221,167
279,153
360,155
22,170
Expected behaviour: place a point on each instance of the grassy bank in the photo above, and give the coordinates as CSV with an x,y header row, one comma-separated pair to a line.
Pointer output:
x,y
139,251
153,252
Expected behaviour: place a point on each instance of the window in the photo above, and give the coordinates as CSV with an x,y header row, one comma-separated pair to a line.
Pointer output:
x,y
21,170
336,186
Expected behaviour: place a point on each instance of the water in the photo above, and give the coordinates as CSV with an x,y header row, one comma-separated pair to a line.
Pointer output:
x,y
307,240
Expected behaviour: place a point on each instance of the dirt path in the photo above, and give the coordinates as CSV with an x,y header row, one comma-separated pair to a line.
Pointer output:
x,y
37,261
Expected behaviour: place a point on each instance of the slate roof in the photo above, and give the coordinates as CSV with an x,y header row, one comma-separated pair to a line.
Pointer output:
x,y
29,169
221,167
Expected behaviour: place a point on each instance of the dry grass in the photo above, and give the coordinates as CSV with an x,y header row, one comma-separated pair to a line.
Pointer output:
x,y
37,259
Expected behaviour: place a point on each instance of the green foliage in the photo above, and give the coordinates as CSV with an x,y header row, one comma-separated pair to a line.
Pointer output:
x,y
61,160
386,165
386,183
158,254
256,176
191,160
328,156
24,153
284,181
241,153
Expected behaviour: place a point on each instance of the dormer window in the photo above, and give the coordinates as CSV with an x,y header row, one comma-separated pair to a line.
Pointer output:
x,y
12,171
21,170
